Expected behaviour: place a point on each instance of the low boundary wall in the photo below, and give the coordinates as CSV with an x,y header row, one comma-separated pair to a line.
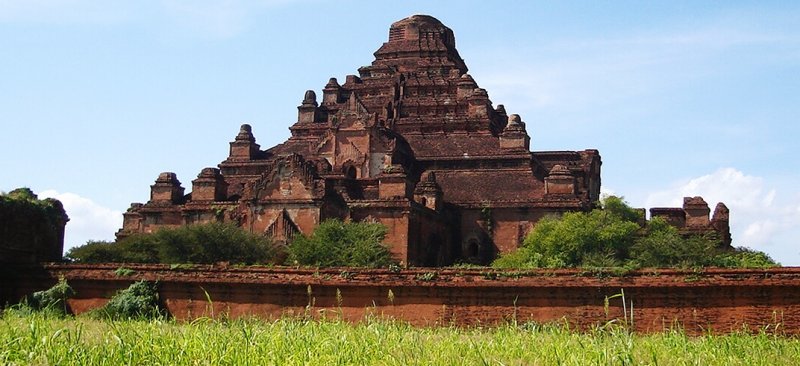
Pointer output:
x,y
711,300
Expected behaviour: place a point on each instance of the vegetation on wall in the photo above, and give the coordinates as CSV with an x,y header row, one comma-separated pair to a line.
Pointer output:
x,y
53,300
341,244
28,224
611,237
199,243
332,244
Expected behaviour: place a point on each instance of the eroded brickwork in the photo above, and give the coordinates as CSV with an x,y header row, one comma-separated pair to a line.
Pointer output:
x,y
693,218
701,302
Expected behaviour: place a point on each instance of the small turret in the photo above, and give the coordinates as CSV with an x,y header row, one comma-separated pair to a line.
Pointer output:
x,y
428,193
479,103
721,223
307,111
244,147
330,94
167,189
501,111
560,181
209,186
466,85
514,135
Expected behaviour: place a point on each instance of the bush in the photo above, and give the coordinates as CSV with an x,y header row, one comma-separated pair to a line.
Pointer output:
x,y
199,243
95,252
53,299
138,301
596,238
662,246
337,244
612,237
744,258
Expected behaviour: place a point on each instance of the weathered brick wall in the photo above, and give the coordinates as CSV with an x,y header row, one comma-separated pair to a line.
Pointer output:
x,y
31,229
712,300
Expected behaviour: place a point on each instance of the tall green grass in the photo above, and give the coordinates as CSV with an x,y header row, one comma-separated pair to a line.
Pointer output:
x,y
41,339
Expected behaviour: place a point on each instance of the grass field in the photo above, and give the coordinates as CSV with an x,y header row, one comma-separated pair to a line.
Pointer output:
x,y
39,339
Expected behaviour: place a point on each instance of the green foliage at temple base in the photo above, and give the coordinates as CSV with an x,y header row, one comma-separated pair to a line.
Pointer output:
x,y
338,244
612,237
199,243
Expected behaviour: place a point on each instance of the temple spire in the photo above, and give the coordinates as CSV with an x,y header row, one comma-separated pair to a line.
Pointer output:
x,y
417,41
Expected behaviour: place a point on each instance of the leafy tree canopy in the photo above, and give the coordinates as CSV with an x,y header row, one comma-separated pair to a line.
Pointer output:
x,y
199,243
611,236
342,244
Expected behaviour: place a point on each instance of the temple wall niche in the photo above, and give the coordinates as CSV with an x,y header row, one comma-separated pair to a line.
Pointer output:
x,y
475,236
352,150
430,239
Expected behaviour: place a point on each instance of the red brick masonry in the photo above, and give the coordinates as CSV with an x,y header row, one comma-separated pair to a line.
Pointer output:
x,y
719,300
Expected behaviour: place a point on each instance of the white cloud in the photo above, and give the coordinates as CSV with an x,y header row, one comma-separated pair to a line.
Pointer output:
x,y
87,219
605,192
761,217
725,184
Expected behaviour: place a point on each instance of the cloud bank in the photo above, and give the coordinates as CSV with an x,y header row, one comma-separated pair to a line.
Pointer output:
x,y
87,219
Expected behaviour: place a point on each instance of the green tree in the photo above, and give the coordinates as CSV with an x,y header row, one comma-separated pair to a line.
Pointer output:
x,y
199,243
95,251
338,244
661,245
742,257
611,236
601,237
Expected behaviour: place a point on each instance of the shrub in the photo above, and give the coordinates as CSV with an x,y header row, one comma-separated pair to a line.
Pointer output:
x,y
95,252
337,244
661,245
742,257
138,301
595,238
619,208
611,237
53,299
199,243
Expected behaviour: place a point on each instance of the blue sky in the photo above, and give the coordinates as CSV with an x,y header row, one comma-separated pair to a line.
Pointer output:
x,y
681,98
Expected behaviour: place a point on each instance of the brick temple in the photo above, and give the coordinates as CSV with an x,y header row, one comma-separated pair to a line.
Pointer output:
x,y
411,142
